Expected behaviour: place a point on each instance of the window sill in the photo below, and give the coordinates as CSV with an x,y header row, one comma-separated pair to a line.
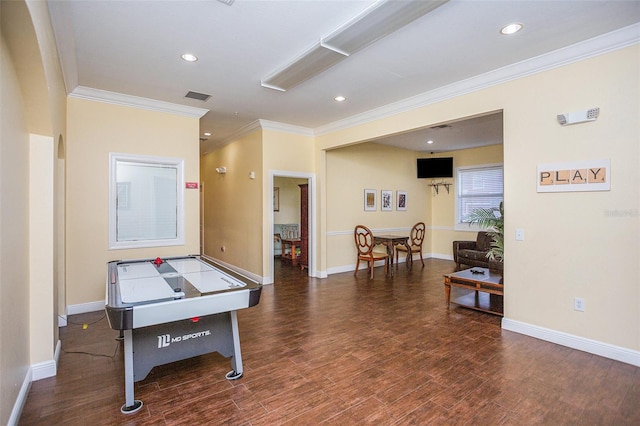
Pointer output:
x,y
467,228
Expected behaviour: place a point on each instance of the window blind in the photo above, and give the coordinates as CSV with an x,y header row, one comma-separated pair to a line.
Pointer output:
x,y
479,188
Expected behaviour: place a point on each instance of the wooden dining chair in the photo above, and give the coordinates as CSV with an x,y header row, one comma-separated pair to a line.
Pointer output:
x,y
364,243
416,238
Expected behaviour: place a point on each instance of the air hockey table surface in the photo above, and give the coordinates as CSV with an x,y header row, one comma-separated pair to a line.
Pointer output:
x,y
172,309
147,292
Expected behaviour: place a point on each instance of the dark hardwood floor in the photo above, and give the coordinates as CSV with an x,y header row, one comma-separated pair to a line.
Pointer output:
x,y
343,351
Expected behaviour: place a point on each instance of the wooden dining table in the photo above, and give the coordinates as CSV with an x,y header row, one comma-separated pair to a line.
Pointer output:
x,y
292,255
390,241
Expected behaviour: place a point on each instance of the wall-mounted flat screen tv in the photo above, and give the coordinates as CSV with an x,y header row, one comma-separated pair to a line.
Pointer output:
x,y
430,168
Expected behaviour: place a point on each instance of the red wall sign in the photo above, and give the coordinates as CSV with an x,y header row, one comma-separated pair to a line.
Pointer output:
x,y
192,185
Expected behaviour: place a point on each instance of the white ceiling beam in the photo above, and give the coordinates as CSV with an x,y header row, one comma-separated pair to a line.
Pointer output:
x,y
377,21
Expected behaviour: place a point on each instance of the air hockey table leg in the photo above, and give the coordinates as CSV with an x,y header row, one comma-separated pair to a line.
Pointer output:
x,y
236,359
131,405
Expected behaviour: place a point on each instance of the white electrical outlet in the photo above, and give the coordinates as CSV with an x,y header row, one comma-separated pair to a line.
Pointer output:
x,y
519,234
578,304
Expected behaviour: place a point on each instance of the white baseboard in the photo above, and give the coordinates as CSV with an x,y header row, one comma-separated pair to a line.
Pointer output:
x,y
38,371
45,369
350,268
250,275
595,347
340,269
440,256
20,400
83,308
42,370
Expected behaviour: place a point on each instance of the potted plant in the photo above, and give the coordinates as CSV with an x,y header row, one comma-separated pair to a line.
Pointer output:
x,y
492,220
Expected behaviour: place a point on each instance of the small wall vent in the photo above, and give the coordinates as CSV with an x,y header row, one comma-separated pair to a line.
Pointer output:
x,y
199,96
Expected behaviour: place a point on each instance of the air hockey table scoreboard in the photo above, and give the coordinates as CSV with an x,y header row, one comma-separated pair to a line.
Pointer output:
x,y
173,309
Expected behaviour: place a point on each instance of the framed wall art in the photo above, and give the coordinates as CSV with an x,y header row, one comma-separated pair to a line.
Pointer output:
x,y
370,200
276,199
401,200
387,200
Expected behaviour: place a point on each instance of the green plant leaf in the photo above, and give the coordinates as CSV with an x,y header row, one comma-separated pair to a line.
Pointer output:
x,y
492,220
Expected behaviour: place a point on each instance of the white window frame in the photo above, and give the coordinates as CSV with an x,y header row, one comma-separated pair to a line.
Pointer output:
x,y
465,226
143,160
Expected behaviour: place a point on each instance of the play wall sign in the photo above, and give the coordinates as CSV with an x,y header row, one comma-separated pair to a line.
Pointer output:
x,y
575,176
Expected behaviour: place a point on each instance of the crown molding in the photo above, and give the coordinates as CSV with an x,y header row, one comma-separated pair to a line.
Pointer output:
x,y
82,92
63,35
596,46
286,128
242,131
265,125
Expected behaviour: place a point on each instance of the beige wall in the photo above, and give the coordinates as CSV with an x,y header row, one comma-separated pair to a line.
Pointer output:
x,y
48,105
238,211
287,151
289,154
41,250
23,43
586,250
14,237
349,172
33,116
94,130
351,169
233,204
289,211
576,244
443,205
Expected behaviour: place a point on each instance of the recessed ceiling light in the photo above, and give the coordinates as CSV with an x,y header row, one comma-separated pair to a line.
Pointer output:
x,y
429,142
511,28
189,57
340,99
207,133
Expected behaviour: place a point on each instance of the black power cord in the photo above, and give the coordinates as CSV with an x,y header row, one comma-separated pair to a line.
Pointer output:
x,y
95,354
86,325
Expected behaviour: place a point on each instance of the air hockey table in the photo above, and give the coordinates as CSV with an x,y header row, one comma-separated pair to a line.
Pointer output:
x,y
173,309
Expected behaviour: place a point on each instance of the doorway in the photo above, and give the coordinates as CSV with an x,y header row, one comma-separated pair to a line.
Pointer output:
x,y
292,225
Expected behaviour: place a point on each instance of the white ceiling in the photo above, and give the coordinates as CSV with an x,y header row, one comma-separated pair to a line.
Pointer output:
x,y
134,48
